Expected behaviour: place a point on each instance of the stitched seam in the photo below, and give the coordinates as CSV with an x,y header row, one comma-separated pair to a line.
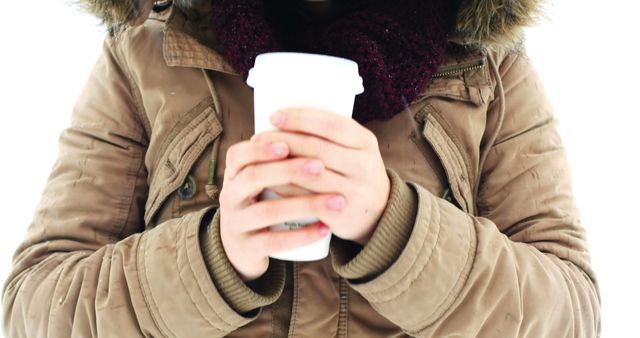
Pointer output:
x,y
294,306
212,323
273,325
451,176
129,200
200,286
135,250
134,90
147,297
443,180
546,122
178,139
451,159
189,156
191,118
346,324
421,267
437,115
413,264
166,190
440,308
459,163
61,280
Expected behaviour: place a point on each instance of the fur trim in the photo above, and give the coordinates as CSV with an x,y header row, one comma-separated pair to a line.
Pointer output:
x,y
487,23
496,23
116,13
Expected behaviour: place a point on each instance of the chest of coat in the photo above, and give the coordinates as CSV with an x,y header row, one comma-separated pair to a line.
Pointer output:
x,y
434,142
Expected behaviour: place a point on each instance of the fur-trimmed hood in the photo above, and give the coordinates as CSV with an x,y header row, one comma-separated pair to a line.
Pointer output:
x,y
489,23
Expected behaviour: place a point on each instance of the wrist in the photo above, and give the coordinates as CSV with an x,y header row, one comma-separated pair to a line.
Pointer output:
x,y
241,296
364,239
387,241
250,276
383,205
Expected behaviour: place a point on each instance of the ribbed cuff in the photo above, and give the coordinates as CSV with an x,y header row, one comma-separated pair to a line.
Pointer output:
x,y
388,239
240,296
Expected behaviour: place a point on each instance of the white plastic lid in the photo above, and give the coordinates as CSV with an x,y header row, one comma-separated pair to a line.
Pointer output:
x,y
296,68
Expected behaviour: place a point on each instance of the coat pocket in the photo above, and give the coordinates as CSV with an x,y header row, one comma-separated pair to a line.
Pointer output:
x,y
456,165
452,121
184,145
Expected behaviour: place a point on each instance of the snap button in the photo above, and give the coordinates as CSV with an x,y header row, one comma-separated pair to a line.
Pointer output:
x,y
188,188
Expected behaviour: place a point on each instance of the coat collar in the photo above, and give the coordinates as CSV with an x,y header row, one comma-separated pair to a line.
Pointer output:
x,y
182,48
492,24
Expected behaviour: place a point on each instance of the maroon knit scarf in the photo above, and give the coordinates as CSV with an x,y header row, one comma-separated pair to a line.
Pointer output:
x,y
398,44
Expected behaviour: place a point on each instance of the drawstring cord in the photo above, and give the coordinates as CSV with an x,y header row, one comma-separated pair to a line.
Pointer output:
x,y
212,188
501,113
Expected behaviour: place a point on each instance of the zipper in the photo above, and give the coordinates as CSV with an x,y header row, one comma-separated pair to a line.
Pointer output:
x,y
448,71
343,314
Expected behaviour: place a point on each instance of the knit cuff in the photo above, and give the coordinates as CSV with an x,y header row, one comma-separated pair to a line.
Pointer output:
x,y
361,264
242,297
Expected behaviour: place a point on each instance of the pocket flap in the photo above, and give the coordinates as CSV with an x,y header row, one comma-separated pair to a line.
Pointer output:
x,y
448,151
186,142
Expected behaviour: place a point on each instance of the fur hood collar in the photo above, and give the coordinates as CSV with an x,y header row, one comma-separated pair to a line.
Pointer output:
x,y
487,23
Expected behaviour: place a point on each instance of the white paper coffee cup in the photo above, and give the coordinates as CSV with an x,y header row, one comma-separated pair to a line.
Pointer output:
x,y
299,80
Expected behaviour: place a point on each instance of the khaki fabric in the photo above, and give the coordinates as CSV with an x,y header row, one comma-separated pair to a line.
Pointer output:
x,y
125,240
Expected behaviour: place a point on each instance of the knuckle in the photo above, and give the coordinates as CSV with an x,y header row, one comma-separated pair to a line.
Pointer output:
x,y
228,226
231,154
226,176
228,199
354,192
226,196
260,148
224,199
274,241
367,167
331,126
261,244
371,139
311,146
270,211
251,173
309,235
294,168
315,204
359,166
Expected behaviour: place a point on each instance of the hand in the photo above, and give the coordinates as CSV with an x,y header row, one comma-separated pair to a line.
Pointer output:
x,y
244,221
355,169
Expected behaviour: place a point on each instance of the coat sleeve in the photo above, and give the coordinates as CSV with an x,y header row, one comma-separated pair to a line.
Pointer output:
x,y
87,267
519,269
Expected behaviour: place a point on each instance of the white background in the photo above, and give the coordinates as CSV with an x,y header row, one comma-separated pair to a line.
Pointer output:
x,y
585,52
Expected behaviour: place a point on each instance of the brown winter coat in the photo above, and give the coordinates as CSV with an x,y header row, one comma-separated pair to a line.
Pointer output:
x,y
480,238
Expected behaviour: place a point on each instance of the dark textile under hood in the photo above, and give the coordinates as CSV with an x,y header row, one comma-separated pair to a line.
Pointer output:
x,y
489,23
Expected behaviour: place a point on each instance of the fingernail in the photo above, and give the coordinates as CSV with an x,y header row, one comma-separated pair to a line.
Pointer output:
x,y
313,167
323,230
278,149
277,119
335,203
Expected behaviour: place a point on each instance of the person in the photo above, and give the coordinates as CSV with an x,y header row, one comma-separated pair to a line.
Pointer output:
x,y
448,193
